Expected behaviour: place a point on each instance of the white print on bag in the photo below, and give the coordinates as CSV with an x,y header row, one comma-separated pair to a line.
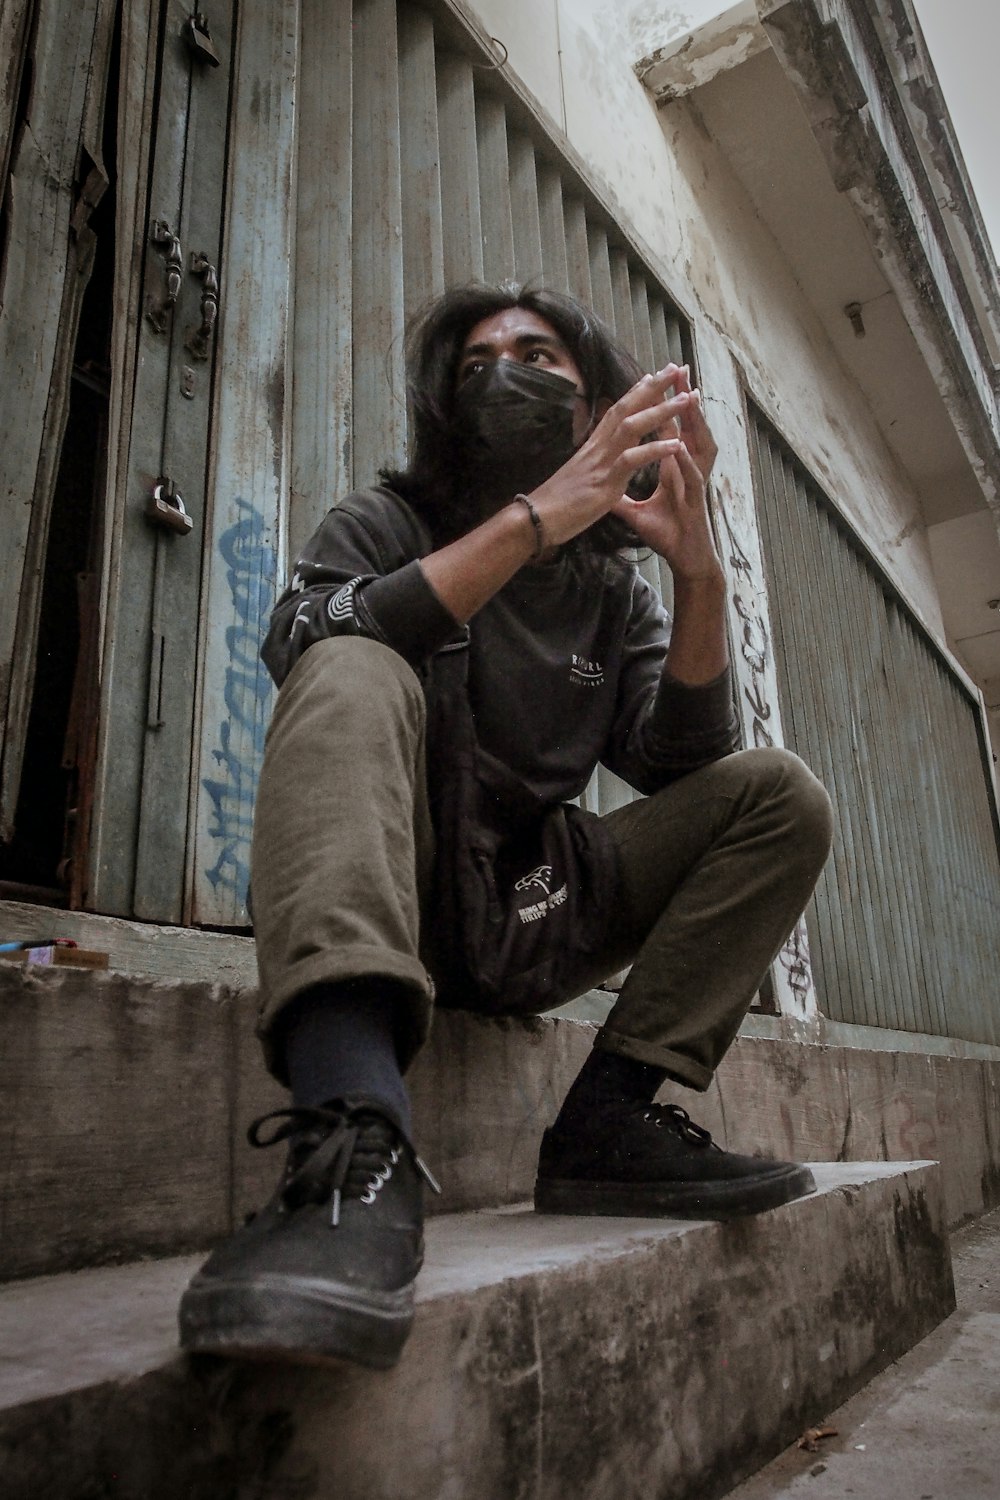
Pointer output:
x,y
589,673
539,909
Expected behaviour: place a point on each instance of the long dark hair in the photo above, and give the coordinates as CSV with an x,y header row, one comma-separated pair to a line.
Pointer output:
x,y
433,481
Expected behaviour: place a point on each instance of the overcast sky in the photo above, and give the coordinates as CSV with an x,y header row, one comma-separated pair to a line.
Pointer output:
x,y
963,37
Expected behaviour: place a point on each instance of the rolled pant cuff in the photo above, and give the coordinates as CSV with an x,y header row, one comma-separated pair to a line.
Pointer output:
x,y
683,1069
412,1024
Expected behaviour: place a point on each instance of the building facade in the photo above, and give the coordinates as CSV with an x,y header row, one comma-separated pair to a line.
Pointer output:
x,y
215,229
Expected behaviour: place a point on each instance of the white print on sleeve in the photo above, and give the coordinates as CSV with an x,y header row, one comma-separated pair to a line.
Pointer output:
x,y
341,605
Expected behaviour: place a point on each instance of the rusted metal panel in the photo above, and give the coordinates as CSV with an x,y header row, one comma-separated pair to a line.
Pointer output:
x,y
601,296
641,320
857,740
250,468
524,197
662,342
577,249
112,847
163,824
757,646
142,847
494,188
621,298
907,916
423,244
379,376
886,833
553,228
322,427
49,194
462,224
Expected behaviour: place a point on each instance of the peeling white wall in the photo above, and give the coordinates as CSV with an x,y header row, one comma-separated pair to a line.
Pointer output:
x,y
669,184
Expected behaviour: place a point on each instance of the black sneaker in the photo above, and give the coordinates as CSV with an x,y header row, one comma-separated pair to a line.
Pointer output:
x,y
325,1271
653,1160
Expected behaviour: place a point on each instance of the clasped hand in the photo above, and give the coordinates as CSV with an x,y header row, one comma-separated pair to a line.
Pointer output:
x,y
646,426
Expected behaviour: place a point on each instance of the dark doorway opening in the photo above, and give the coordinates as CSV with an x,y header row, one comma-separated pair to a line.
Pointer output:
x,y
46,858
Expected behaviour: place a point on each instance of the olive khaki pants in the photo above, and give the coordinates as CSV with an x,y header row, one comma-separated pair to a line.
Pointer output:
x,y
715,869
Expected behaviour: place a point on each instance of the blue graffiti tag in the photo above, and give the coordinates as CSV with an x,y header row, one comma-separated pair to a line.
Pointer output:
x,y
251,569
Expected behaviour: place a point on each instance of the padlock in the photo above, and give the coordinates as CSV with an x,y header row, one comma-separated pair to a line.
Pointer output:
x,y
199,39
166,508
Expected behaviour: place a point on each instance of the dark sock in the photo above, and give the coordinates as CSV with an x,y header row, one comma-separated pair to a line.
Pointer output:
x,y
608,1080
339,1043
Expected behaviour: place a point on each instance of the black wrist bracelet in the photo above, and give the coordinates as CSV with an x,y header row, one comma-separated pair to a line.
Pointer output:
x,y
536,522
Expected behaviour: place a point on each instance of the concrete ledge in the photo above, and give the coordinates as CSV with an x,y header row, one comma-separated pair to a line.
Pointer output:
x,y
820,1102
605,1359
128,1101
147,948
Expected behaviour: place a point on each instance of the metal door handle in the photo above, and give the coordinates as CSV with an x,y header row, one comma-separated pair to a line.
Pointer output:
x,y
199,341
158,313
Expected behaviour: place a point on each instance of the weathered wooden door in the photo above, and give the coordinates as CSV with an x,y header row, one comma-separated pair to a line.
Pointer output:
x,y
175,95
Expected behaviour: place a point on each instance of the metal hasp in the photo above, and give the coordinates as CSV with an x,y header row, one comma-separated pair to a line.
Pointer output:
x,y
198,342
158,313
199,39
166,509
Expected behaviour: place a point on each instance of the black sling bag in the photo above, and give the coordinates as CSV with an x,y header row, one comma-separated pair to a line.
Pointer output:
x,y
524,890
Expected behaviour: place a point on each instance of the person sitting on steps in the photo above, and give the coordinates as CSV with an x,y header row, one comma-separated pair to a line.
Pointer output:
x,y
460,646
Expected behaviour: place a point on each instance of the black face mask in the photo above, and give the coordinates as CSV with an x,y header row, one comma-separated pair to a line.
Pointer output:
x,y
513,426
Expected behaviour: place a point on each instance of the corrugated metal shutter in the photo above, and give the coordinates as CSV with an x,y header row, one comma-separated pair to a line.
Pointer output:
x,y
450,178
905,928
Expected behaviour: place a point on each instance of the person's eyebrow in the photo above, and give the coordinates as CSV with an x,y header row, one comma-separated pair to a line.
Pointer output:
x,y
523,341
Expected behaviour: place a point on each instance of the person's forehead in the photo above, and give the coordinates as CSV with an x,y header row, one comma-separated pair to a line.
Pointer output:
x,y
512,324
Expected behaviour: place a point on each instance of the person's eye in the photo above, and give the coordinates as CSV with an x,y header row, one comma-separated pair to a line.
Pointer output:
x,y
471,368
534,355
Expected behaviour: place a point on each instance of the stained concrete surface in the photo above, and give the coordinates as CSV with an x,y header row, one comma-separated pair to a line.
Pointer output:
x,y
927,1427
612,1359
130,1099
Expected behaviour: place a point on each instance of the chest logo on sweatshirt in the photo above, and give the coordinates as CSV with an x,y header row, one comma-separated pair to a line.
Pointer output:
x,y
586,672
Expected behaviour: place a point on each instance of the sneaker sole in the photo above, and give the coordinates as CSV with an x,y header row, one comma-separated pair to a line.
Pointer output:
x,y
294,1319
681,1200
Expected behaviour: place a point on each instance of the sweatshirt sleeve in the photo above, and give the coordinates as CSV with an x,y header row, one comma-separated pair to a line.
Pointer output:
x,y
664,728
359,574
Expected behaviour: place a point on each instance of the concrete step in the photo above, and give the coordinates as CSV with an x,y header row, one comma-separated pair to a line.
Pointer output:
x,y
128,1100
927,1425
551,1357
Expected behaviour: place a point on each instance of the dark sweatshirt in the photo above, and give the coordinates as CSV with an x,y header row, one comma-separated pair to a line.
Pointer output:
x,y
566,662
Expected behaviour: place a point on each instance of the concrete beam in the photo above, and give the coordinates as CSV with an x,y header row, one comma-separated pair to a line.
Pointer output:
x,y
689,56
